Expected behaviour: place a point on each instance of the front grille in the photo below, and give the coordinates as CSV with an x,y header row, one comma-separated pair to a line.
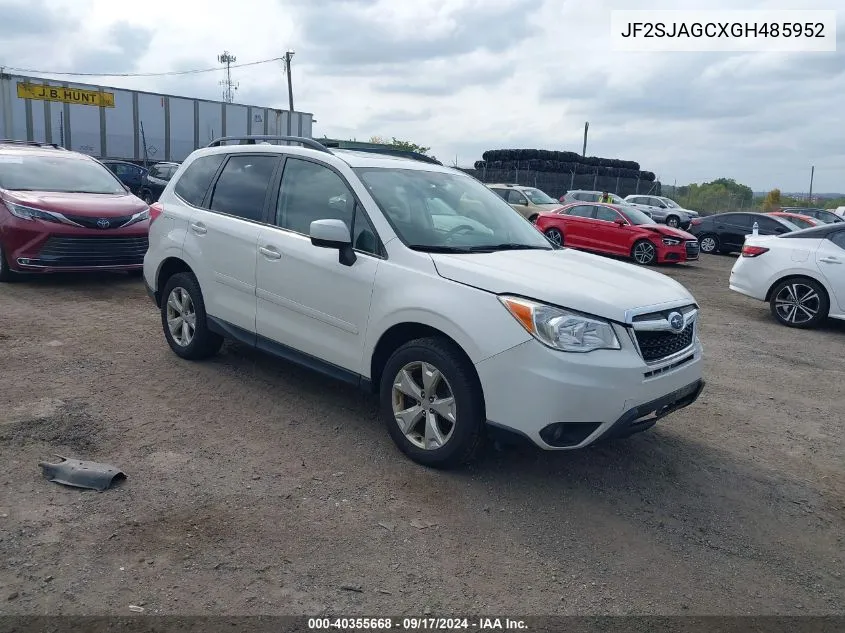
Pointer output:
x,y
657,345
91,222
92,251
692,249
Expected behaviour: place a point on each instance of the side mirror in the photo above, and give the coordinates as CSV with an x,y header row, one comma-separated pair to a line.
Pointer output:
x,y
333,234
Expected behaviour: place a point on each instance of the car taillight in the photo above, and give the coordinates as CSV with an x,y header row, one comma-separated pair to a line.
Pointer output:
x,y
155,210
753,251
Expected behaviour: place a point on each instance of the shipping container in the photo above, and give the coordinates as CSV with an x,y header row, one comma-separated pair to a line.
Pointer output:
x,y
130,124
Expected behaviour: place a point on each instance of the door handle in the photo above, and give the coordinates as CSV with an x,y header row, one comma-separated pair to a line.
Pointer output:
x,y
198,228
269,252
830,260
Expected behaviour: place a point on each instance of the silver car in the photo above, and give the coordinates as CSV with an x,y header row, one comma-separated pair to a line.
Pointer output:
x,y
664,210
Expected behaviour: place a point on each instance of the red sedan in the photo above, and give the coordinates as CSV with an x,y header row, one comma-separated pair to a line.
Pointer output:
x,y
617,230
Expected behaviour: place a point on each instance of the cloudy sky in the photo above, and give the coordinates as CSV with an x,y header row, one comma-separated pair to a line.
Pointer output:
x,y
463,76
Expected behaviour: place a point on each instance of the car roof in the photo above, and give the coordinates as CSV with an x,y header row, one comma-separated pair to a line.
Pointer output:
x,y
39,149
816,232
352,158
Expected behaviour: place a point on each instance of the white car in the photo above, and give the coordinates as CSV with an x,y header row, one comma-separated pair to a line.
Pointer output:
x,y
415,281
801,274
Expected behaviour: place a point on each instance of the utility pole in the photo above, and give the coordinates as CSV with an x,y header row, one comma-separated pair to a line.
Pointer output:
x,y
812,173
586,127
229,86
288,56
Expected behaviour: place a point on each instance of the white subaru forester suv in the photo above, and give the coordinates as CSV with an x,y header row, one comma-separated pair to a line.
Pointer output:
x,y
417,282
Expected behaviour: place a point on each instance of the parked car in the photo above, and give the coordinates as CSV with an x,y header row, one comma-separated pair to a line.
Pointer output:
x,y
64,211
799,274
662,211
801,221
618,230
155,180
445,322
582,195
529,201
840,211
726,232
129,174
824,215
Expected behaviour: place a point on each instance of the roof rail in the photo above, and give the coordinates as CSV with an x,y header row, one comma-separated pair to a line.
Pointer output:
x,y
251,140
404,153
10,141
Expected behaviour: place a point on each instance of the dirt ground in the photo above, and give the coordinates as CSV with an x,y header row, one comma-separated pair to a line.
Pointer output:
x,y
258,488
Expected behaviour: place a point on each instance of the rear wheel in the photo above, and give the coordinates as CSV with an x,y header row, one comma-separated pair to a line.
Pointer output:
x,y
708,243
644,252
147,197
533,218
799,303
432,404
555,236
6,273
184,319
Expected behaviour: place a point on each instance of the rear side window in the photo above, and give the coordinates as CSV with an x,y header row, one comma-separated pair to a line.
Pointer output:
x,y
242,186
581,211
607,214
515,197
195,181
769,225
838,239
502,192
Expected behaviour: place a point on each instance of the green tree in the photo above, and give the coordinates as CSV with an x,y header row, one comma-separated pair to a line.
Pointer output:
x,y
773,201
407,146
722,194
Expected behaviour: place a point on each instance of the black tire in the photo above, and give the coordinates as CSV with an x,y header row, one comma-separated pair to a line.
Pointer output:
x,y
553,233
674,221
802,289
647,258
147,197
204,343
6,273
707,246
467,434
533,218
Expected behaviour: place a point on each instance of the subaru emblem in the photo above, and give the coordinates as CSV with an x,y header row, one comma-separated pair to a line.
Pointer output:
x,y
103,223
676,322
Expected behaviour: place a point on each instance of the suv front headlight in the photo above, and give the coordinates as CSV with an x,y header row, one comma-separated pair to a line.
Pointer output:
x,y
561,329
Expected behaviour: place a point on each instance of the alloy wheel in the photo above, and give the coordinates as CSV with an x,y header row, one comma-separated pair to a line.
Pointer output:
x,y
181,316
797,303
644,252
424,405
673,222
708,244
555,236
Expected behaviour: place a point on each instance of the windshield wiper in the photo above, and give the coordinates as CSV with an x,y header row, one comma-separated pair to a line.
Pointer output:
x,y
429,248
509,246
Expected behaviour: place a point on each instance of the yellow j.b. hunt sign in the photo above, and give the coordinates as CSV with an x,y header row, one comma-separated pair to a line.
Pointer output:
x,y
65,95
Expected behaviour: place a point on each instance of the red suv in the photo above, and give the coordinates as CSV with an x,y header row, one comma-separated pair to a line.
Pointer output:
x,y
618,230
65,211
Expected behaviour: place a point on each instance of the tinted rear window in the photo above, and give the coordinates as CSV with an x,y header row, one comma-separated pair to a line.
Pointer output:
x,y
242,186
195,181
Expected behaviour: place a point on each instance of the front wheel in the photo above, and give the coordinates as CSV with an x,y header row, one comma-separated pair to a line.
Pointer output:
x,y
184,319
555,236
673,221
644,252
6,273
432,403
533,218
799,303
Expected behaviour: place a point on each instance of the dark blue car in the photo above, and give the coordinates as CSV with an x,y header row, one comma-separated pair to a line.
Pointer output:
x,y
129,174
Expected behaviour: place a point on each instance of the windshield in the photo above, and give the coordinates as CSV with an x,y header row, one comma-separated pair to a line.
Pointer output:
x,y
538,197
635,216
58,174
448,212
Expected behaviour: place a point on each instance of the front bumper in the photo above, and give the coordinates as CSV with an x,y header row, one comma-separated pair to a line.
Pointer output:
x,y
41,247
565,401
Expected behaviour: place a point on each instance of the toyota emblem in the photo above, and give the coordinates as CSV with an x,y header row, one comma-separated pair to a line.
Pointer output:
x,y
103,223
676,322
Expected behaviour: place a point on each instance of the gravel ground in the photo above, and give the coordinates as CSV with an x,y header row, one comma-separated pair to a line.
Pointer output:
x,y
258,488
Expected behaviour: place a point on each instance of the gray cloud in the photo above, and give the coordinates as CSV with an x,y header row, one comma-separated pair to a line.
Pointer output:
x,y
350,35
125,44
26,18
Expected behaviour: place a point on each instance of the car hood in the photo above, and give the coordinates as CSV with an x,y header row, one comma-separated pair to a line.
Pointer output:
x,y
668,231
98,205
565,277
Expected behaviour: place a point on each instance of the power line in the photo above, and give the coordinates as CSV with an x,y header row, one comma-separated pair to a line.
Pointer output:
x,y
162,74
